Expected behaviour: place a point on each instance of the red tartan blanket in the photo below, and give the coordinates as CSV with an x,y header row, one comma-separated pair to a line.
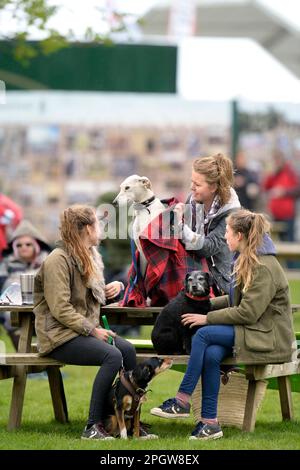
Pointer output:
x,y
168,264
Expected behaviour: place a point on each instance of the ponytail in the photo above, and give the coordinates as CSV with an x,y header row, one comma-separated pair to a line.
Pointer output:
x,y
253,226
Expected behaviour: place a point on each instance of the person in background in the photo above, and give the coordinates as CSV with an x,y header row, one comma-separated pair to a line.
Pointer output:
x,y
10,216
26,251
282,189
69,290
212,199
246,183
254,323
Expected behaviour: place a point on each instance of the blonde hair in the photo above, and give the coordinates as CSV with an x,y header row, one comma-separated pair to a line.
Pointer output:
x,y
218,170
73,221
253,226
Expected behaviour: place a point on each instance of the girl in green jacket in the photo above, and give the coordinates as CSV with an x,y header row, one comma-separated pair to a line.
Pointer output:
x,y
254,323
69,289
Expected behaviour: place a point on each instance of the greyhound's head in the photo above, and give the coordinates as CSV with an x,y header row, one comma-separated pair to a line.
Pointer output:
x,y
134,189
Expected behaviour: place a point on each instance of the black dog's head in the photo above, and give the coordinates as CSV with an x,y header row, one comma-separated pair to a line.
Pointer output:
x,y
197,283
144,372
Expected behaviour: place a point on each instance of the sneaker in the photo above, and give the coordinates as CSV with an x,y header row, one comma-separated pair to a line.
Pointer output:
x,y
144,432
145,435
96,431
171,409
206,431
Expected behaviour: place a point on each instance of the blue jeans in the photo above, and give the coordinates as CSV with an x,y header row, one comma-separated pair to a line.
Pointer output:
x,y
210,344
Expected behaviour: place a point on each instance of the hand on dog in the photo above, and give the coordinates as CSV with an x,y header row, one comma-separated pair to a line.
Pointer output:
x,y
193,319
101,333
113,289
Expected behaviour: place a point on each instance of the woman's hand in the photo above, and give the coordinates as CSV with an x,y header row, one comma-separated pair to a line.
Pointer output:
x,y
113,289
193,319
101,333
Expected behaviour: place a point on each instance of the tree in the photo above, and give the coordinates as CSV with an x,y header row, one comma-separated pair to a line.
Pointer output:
x,y
38,13
27,14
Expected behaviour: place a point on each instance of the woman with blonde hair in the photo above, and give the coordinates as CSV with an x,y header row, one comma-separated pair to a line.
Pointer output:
x,y
253,323
211,200
69,289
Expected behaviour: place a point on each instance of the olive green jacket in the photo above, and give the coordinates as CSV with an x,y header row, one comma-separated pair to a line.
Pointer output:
x,y
63,306
261,316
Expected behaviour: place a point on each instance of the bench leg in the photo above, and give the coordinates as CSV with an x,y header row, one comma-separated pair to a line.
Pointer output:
x,y
251,404
17,398
285,394
58,394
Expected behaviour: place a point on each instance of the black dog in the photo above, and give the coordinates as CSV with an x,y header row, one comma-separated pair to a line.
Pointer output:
x,y
128,394
169,335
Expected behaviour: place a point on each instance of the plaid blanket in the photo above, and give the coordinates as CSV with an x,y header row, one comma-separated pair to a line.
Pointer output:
x,y
168,264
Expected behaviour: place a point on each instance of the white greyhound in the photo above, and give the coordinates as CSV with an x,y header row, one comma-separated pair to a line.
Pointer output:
x,y
138,189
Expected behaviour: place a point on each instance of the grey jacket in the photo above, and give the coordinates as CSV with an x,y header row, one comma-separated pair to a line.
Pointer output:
x,y
212,246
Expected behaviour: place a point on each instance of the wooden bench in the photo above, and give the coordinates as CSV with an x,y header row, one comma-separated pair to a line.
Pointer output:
x,y
287,251
26,360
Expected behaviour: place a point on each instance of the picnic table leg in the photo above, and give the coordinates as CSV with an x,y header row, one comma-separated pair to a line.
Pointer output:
x,y
19,385
251,404
285,394
17,399
58,394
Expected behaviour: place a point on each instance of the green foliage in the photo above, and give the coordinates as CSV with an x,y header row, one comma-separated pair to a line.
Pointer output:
x,y
37,13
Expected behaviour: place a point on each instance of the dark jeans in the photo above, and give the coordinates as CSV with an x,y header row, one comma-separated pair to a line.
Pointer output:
x,y
210,344
90,351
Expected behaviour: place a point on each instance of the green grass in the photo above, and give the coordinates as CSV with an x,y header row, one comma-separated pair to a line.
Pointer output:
x,y
40,431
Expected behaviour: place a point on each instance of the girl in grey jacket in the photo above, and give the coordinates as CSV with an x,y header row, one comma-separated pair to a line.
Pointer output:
x,y
204,216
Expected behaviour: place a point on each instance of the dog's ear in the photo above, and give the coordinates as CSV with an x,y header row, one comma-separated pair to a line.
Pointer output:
x,y
210,280
147,372
146,182
186,281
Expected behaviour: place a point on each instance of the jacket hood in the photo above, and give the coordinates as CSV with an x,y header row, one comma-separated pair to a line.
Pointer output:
x,y
268,247
233,203
26,228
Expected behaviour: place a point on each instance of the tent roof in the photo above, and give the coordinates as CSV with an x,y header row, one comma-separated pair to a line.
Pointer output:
x,y
261,20
224,68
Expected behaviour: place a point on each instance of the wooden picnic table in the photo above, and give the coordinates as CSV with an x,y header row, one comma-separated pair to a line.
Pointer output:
x,y
26,360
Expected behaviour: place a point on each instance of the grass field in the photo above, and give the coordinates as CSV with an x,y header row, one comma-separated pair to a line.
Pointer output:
x,y
40,431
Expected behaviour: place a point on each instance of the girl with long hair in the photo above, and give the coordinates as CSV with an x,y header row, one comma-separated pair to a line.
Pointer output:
x,y
253,323
69,290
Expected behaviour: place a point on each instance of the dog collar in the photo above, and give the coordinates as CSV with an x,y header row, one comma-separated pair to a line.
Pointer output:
x,y
196,297
138,206
148,201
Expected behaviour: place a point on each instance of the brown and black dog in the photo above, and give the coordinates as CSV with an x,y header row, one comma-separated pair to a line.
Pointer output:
x,y
128,394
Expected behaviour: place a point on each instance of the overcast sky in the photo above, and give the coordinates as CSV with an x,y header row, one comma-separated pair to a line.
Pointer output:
x,y
79,14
